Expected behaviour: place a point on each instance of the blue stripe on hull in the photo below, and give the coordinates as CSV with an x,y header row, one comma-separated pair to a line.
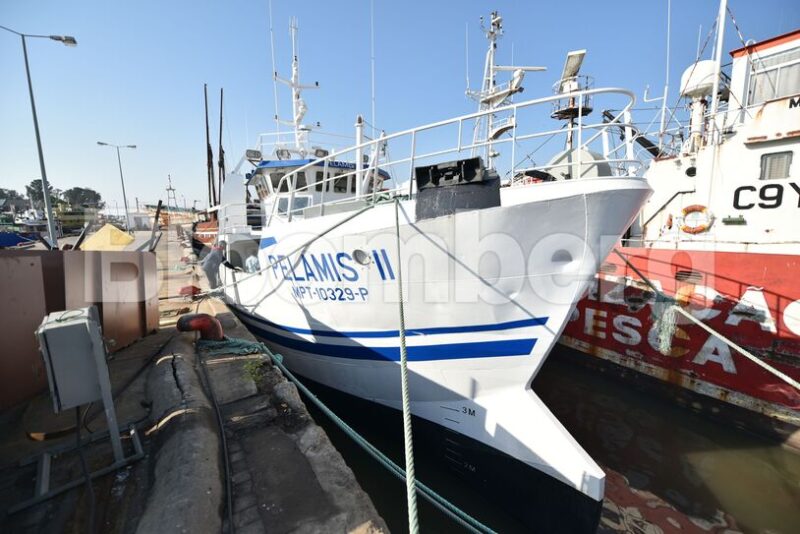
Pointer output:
x,y
523,323
267,242
420,353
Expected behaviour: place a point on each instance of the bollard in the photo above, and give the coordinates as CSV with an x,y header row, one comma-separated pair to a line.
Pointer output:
x,y
208,326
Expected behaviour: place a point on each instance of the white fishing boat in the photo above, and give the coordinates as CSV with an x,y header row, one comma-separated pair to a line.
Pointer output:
x,y
489,274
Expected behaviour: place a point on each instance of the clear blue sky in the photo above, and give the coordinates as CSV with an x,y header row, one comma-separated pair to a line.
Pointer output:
x,y
137,74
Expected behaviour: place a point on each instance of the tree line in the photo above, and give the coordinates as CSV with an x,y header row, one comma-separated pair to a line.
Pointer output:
x,y
75,197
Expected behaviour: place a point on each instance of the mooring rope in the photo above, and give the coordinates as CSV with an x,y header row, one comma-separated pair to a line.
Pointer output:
x,y
755,359
244,346
411,494
666,327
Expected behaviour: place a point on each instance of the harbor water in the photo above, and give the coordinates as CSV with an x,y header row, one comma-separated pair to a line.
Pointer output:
x,y
667,468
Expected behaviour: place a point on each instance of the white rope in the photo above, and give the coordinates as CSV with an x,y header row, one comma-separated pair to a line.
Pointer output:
x,y
755,359
666,328
411,492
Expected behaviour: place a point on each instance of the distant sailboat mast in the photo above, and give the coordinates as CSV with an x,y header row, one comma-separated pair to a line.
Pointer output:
x,y
212,192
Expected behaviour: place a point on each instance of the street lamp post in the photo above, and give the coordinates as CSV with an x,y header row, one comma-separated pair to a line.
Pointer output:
x,y
68,41
121,179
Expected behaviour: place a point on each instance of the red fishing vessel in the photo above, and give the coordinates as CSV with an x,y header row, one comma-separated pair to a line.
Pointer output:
x,y
721,234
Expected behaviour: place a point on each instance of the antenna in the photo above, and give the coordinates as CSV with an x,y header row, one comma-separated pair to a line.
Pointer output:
x,y
466,53
663,125
699,35
491,95
721,17
372,57
299,108
274,70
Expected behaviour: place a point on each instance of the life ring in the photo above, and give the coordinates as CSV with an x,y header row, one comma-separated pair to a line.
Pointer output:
x,y
699,228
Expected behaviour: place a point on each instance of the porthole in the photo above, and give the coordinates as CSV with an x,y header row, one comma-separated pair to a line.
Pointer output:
x,y
561,256
361,257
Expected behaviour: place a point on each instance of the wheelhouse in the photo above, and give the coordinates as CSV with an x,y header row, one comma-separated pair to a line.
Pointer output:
x,y
299,193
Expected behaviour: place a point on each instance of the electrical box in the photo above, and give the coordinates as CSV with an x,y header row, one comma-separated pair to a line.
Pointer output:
x,y
71,343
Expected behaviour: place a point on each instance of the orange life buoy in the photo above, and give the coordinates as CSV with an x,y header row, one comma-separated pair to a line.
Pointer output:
x,y
699,228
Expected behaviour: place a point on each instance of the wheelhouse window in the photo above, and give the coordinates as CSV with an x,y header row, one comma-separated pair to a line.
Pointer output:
x,y
340,185
261,189
300,180
298,204
776,165
276,177
320,178
774,76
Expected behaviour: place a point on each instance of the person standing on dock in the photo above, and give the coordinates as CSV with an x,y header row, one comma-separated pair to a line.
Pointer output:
x,y
211,263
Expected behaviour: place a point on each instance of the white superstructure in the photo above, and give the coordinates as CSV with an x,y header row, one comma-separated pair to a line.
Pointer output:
x,y
730,180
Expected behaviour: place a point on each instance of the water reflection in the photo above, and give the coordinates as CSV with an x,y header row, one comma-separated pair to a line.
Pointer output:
x,y
675,470
668,470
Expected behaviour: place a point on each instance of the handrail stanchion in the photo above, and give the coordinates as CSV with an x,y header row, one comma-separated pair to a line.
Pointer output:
x,y
628,140
324,187
359,156
580,136
292,185
513,143
411,164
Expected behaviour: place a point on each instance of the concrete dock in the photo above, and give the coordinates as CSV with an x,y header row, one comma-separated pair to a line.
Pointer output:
x,y
279,471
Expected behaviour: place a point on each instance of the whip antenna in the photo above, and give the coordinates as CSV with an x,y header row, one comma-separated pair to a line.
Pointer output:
x,y
274,70
372,58
466,53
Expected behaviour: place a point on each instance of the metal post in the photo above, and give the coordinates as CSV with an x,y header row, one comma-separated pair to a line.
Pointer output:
x,y
628,142
513,143
51,224
723,5
580,130
325,184
411,163
359,155
124,197
663,124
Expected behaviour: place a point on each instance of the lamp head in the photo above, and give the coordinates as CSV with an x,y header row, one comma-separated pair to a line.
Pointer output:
x,y
68,40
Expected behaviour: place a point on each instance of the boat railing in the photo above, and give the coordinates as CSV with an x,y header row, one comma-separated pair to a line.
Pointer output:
x,y
372,156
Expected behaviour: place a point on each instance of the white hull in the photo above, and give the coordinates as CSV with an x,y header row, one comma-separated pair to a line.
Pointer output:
x,y
487,293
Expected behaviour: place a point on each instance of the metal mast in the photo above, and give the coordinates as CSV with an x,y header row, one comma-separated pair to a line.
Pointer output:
x,y
483,124
299,108
491,95
212,191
